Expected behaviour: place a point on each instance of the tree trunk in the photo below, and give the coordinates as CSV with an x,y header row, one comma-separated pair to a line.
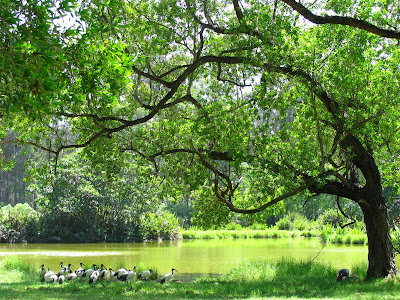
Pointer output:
x,y
381,254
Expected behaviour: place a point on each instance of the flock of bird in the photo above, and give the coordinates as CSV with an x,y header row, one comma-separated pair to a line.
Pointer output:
x,y
99,274
95,274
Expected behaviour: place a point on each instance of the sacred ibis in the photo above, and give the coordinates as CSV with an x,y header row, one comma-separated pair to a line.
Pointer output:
x,y
168,276
345,274
89,272
128,276
145,274
93,277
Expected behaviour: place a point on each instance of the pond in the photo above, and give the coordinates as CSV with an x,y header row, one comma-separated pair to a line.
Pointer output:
x,y
189,257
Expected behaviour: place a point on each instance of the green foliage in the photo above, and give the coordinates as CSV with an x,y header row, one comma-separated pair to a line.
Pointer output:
x,y
234,234
293,221
87,203
252,106
17,270
396,236
248,279
159,225
18,223
183,212
208,212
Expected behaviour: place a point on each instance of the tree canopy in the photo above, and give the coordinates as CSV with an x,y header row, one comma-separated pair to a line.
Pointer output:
x,y
254,101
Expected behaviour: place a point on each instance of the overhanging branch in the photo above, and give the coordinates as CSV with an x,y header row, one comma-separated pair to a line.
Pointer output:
x,y
346,21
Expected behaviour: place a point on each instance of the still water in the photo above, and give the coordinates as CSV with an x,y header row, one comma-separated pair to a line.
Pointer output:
x,y
188,256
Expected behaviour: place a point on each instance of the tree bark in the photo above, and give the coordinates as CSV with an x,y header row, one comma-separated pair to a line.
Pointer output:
x,y
381,254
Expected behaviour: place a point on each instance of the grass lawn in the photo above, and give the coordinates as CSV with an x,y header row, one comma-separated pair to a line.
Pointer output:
x,y
249,280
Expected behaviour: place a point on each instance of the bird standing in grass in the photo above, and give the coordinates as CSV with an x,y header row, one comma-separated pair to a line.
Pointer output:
x,y
53,278
145,274
168,276
61,279
81,268
93,277
128,276
72,276
345,274
89,272
48,275
103,272
42,271
113,277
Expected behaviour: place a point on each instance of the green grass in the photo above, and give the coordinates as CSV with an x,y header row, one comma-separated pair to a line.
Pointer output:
x,y
235,234
348,238
283,279
341,238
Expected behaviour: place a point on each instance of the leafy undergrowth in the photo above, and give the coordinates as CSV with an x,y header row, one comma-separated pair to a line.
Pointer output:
x,y
249,280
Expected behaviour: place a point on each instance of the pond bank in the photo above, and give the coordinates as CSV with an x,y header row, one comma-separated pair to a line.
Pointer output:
x,y
251,279
333,237
201,256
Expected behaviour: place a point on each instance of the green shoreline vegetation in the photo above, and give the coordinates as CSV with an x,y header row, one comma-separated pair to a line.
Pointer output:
x,y
284,279
350,237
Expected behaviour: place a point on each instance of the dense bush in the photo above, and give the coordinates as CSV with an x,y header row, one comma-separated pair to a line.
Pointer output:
x,y
18,223
293,221
159,226
98,203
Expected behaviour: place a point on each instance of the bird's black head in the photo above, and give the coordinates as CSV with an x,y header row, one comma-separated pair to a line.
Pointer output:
x,y
150,270
174,270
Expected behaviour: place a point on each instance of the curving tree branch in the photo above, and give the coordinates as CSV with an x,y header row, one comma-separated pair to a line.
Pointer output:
x,y
346,21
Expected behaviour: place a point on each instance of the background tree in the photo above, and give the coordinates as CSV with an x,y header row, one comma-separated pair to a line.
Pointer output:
x,y
243,98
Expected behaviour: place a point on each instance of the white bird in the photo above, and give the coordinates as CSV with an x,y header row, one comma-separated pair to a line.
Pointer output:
x,y
80,273
168,276
65,270
121,272
48,275
103,272
42,271
72,276
113,277
345,274
128,276
145,274
61,279
53,278
93,277
81,268
89,272
62,269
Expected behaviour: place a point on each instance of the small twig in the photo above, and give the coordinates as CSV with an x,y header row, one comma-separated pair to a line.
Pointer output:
x,y
318,254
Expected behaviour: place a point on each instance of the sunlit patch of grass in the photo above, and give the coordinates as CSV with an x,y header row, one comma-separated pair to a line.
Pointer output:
x,y
13,269
283,279
141,266
235,234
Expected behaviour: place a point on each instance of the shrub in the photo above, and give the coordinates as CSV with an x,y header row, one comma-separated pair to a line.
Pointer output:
x,y
159,226
293,221
18,223
16,269
233,226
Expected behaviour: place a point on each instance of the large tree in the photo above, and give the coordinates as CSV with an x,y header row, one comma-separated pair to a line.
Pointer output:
x,y
245,98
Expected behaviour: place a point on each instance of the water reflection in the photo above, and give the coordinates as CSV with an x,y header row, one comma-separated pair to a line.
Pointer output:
x,y
189,256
